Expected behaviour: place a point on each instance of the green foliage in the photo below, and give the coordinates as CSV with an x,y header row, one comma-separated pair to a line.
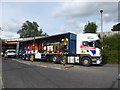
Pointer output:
x,y
91,27
30,29
111,49
116,27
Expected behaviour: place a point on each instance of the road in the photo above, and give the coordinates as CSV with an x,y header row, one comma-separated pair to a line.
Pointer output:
x,y
25,74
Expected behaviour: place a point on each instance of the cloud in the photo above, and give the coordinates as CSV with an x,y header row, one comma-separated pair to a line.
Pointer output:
x,y
10,29
12,26
72,26
59,0
87,9
73,14
9,35
77,14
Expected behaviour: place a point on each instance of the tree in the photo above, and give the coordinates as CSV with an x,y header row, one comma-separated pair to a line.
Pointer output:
x,y
30,29
40,31
91,27
116,27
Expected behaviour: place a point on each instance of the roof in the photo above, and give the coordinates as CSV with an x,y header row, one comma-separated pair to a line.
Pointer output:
x,y
45,37
15,40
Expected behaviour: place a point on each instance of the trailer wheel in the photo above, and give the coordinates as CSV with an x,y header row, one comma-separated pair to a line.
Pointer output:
x,y
54,59
23,57
27,57
86,61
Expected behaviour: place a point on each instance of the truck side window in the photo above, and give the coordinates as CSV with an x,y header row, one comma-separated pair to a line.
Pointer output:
x,y
85,43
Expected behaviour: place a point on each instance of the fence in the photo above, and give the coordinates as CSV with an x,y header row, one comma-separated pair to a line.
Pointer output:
x,y
108,34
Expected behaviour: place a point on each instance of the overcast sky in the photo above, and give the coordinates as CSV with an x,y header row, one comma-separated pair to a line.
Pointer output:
x,y
56,17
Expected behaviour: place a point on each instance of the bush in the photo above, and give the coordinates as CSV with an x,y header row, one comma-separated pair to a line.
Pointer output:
x,y
111,49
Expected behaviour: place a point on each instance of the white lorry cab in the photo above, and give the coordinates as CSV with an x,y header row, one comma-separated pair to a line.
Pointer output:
x,y
84,49
89,45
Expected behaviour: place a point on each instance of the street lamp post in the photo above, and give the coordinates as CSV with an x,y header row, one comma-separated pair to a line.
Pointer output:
x,y
0,40
101,11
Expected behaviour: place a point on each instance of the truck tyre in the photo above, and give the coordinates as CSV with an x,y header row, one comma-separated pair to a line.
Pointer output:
x,y
27,57
55,59
23,57
86,61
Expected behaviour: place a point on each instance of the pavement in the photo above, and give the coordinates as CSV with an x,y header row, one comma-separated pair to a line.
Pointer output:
x,y
25,74
45,64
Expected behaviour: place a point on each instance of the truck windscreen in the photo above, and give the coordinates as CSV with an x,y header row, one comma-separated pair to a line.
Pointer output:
x,y
97,44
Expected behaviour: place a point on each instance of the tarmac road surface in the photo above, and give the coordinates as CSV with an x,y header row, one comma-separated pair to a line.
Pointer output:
x,y
25,74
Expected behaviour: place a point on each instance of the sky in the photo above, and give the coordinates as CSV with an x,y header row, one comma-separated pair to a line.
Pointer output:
x,y
56,17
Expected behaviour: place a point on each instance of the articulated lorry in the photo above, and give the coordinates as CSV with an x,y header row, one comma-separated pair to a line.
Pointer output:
x,y
73,48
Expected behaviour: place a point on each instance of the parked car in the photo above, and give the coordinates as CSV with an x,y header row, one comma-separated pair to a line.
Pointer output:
x,y
11,53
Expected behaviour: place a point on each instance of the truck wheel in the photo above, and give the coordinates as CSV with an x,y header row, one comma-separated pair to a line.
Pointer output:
x,y
27,57
23,57
54,59
86,61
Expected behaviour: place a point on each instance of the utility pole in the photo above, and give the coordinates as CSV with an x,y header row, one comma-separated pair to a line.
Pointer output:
x,y
0,40
101,11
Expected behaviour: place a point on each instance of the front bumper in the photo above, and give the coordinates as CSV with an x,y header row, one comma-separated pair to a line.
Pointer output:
x,y
96,60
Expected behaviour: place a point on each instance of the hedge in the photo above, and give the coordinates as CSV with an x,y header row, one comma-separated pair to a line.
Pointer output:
x,y
111,49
